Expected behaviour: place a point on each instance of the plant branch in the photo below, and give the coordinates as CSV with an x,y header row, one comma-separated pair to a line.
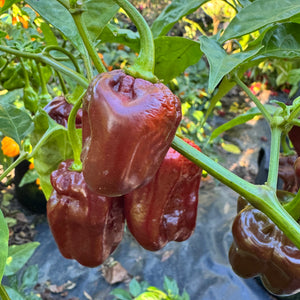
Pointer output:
x,y
22,156
274,157
77,16
293,207
262,109
3,293
51,62
48,49
261,197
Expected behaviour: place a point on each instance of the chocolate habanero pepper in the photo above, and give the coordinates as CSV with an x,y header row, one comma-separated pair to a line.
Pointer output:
x,y
128,126
166,208
59,110
260,248
87,227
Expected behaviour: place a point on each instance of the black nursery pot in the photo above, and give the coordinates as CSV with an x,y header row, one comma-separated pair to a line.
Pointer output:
x,y
29,195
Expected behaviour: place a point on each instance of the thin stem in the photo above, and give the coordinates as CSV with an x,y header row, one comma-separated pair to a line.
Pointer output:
x,y
284,145
145,62
262,109
274,157
42,79
86,40
48,49
293,207
21,157
62,83
261,197
3,293
53,63
73,137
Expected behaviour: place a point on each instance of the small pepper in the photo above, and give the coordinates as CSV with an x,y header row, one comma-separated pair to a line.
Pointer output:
x,y
166,208
128,127
59,109
30,99
87,227
261,249
9,147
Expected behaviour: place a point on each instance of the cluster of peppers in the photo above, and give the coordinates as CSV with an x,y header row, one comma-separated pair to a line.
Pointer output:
x,y
137,179
259,247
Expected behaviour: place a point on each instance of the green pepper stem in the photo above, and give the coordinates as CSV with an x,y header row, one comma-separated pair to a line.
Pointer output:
x,y
51,62
145,62
62,83
3,293
274,157
77,16
73,137
261,197
293,207
22,156
262,109
42,79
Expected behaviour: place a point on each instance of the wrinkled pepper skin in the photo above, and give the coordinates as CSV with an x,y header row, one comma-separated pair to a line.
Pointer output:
x,y
261,249
86,226
166,208
128,127
59,109
287,173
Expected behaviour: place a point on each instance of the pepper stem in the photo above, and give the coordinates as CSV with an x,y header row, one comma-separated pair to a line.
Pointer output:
x,y
274,157
3,293
145,62
262,197
89,47
73,136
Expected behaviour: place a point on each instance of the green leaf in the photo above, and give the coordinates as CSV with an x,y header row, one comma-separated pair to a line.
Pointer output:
x,y
241,119
13,294
30,277
134,288
97,15
220,62
55,149
258,14
4,234
18,255
114,34
29,177
121,294
171,287
281,41
49,36
57,15
172,13
14,122
7,5
173,55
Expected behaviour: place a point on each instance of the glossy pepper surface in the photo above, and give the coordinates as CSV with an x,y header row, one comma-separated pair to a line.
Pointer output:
x,y
86,226
166,208
59,110
261,249
128,127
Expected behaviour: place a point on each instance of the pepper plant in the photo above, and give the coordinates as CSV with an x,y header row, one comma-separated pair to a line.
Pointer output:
x,y
74,61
